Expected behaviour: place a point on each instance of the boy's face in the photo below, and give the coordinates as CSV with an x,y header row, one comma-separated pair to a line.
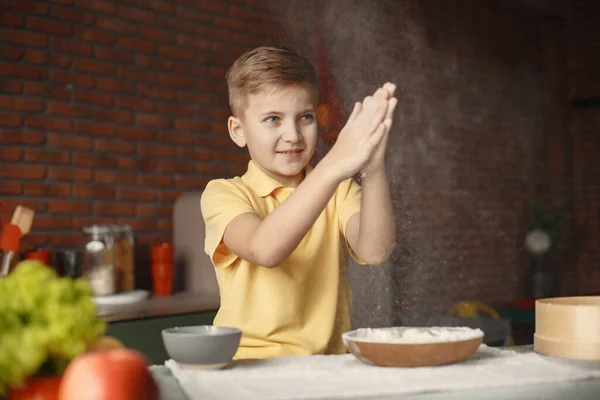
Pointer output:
x,y
279,127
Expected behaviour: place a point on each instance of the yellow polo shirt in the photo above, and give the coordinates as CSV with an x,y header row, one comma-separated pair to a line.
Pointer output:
x,y
300,307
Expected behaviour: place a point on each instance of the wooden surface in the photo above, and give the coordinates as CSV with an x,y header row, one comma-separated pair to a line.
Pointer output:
x,y
152,307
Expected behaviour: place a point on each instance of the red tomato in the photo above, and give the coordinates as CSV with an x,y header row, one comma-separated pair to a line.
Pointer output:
x,y
120,374
42,388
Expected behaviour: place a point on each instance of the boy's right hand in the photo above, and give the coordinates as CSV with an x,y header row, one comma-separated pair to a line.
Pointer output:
x,y
359,137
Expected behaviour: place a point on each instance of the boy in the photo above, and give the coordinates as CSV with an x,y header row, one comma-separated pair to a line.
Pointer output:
x,y
279,235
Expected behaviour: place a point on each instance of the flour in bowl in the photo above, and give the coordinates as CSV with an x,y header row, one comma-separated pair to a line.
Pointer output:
x,y
414,335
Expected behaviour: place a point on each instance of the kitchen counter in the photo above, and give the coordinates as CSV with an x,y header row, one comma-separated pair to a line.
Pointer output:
x,y
580,390
153,306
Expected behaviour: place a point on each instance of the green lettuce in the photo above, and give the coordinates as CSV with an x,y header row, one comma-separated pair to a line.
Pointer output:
x,y
45,322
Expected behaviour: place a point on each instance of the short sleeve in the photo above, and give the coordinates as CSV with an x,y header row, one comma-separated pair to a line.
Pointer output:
x,y
349,201
220,203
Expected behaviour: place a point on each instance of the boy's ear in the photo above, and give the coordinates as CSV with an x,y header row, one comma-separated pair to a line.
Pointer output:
x,y
236,131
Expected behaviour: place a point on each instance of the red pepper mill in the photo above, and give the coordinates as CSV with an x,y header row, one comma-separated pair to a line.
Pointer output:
x,y
163,269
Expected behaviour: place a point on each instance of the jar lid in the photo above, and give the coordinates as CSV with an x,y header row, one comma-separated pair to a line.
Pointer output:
x,y
121,228
96,229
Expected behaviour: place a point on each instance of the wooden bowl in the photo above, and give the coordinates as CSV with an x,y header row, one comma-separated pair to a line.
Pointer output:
x,y
568,327
400,347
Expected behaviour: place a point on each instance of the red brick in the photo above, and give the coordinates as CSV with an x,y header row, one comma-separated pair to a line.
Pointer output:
x,y
126,132
94,160
93,97
69,141
48,90
219,142
175,80
115,25
178,138
116,55
230,23
152,120
72,78
137,195
10,86
114,177
49,26
140,225
15,70
158,63
20,171
177,24
10,52
154,180
231,157
207,169
36,239
11,20
169,196
71,46
194,153
72,14
46,156
11,154
192,14
154,150
177,109
114,209
95,129
136,103
95,36
178,52
153,210
216,7
103,7
115,146
175,167
155,34
135,44
191,182
197,98
146,90
51,222
10,188
114,85
69,174
10,120
88,65
137,74
242,13
69,207
193,41
161,6
136,14
192,125
81,222
93,191
46,189
21,103
46,58
65,239
68,110
22,137
26,6
23,37
48,124
136,164
117,116
153,238
39,206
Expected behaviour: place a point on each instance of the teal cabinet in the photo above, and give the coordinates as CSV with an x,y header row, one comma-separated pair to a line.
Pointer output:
x,y
144,335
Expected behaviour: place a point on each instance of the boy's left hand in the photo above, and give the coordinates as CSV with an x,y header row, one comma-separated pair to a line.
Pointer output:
x,y
377,160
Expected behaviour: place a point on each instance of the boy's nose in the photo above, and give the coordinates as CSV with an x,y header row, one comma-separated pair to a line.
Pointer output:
x,y
292,134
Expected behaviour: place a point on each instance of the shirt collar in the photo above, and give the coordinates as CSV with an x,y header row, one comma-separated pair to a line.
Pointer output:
x,y
261,183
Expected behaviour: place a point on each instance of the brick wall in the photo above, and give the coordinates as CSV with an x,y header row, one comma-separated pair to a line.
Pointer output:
x,y
583,76
110,109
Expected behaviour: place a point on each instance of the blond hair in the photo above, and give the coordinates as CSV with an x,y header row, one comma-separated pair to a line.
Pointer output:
x,y
263,68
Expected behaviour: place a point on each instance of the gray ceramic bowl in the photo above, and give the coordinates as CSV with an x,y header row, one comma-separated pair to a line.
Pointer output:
x,y
202,346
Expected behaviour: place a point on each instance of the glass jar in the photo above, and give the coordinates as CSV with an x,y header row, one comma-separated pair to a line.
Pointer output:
x,y
98,259
124,257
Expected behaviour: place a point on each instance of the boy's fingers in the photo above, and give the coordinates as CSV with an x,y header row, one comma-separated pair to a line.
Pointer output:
x,y
391,108
390,88
355,111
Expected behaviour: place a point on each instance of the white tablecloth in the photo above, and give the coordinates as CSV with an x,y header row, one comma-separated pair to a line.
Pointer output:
x,y
345,377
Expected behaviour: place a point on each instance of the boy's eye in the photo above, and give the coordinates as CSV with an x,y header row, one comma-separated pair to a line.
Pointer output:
x,y
308,117
272,119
